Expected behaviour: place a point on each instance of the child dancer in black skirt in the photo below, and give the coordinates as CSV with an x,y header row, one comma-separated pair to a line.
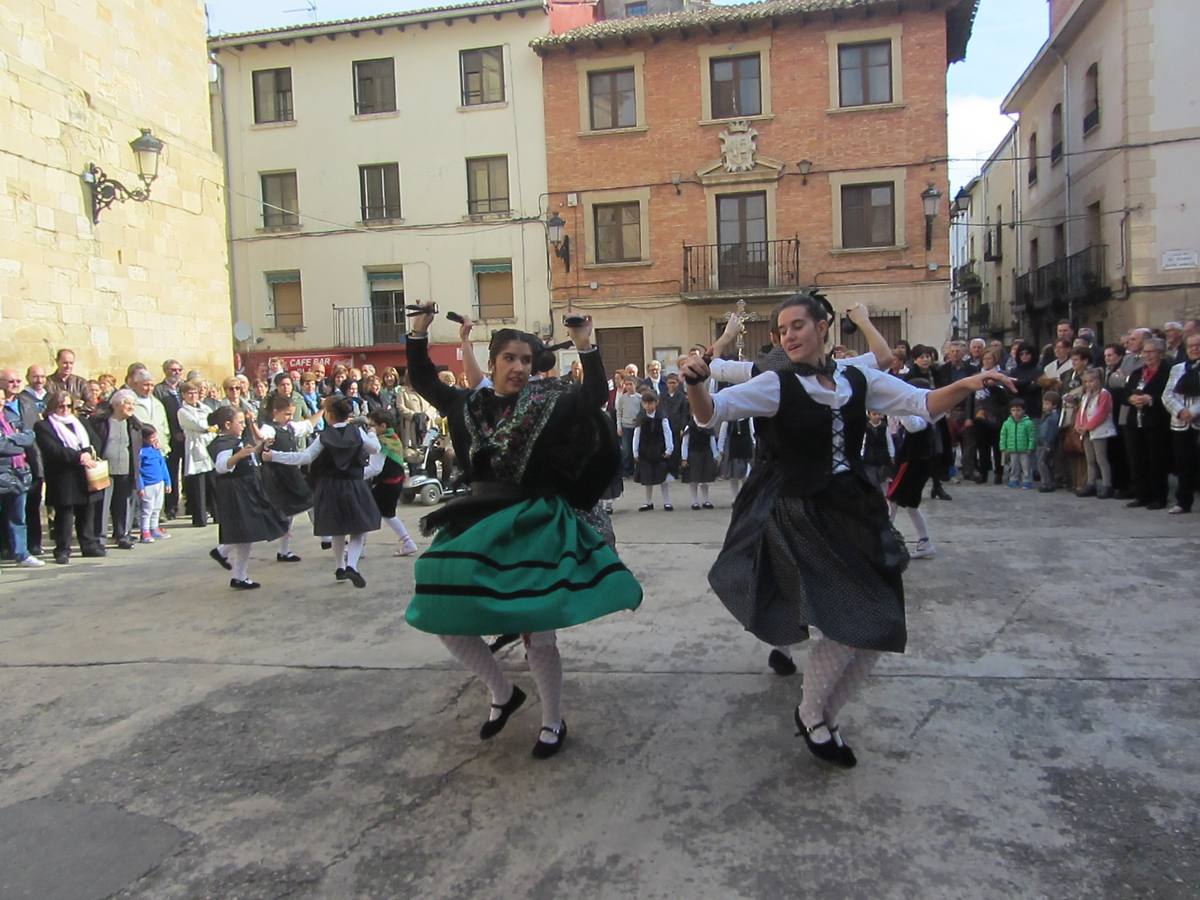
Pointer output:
x,y
825,553
342,502
735,445
387,483
245,514
914,465
698,462
653,445
286,486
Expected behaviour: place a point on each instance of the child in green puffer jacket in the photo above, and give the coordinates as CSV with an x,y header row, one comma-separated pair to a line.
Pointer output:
x,y
1018,440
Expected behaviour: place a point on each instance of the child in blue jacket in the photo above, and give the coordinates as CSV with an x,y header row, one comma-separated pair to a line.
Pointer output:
x,y
156,484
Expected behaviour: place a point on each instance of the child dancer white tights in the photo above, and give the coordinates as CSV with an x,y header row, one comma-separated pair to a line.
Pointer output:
x,y
832,672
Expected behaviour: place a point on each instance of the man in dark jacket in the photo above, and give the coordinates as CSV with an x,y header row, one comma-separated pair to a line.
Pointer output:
x,y
16,452
167,392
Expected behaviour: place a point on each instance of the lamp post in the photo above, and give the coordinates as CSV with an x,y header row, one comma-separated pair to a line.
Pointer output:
x,y
147,150
556,232
930,197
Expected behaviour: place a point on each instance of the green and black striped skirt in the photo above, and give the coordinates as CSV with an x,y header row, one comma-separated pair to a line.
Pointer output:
x,y
531,566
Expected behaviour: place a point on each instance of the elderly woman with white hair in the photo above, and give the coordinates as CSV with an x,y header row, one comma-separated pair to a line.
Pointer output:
x,y
119,442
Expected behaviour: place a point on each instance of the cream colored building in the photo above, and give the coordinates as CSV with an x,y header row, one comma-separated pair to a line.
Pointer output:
x,y
986,264
1109,132
373,162
148,281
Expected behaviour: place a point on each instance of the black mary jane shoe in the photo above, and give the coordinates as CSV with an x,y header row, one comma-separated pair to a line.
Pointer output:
x,y
326,545
220,560
646,507
544,749
246,585
286,557
355,578
781,663
340,574
696,506
502,641
708,505
826,750
493,727
846,757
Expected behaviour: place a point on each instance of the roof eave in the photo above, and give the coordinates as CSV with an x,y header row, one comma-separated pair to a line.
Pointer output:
x,y
416,17
1058,42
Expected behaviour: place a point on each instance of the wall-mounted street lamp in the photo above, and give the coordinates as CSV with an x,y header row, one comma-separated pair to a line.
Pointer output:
x,y
930,197
147,149
805,166
962,202
559,239
954,328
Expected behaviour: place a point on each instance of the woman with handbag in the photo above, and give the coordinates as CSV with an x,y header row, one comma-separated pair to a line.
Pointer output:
x,y
197,464
68,456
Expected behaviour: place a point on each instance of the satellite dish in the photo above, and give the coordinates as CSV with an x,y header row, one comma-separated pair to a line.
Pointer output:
x,y
242,331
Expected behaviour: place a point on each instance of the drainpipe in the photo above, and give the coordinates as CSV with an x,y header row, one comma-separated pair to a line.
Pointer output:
x,y
1016,208
1066,138
228,205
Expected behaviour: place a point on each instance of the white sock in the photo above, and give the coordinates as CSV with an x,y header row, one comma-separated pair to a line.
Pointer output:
x,y
354,549
666,492
735,485
223,549
239,558
649,493
397,526
339,550
694,489
704,492
545,665
919,523
473,653
285,542
892,511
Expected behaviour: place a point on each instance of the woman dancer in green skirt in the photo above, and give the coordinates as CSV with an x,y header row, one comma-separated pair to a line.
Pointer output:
x,y
515,556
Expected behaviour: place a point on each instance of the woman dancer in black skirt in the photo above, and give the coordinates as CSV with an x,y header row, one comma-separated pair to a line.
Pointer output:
x,y
286,486
825,553
342,502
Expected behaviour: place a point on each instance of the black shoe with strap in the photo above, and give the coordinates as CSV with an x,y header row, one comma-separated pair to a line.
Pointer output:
x,y
545,749
846,757
221,560
355,577
502,641
825,750
781,663
493,727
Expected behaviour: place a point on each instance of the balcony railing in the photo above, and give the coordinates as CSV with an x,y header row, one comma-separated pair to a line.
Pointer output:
x,y
754,266
366,326
1078,278
966,279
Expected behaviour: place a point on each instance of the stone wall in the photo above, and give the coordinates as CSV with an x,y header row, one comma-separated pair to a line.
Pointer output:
x,y
78,78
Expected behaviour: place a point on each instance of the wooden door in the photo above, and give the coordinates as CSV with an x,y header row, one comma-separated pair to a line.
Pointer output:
x,y
621,346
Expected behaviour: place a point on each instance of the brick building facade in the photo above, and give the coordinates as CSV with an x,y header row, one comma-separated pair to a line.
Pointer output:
x,y
729,153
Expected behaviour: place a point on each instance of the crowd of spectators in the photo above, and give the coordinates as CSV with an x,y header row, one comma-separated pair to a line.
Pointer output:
x,y
82,455
1112,421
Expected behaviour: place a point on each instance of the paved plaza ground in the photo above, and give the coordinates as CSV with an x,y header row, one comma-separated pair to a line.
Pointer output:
x,y
162,736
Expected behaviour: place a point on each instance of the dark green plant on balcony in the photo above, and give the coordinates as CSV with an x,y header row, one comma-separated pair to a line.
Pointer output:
x,y
970,283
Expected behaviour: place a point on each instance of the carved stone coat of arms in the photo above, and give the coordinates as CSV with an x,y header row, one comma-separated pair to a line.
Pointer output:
x,y
737,146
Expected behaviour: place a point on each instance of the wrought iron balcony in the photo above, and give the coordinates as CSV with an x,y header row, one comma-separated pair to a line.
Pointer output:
x,y
1078,278
757,266
367,326
966,279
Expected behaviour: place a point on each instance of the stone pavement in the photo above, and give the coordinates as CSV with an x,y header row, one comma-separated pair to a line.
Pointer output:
x,y
164,737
